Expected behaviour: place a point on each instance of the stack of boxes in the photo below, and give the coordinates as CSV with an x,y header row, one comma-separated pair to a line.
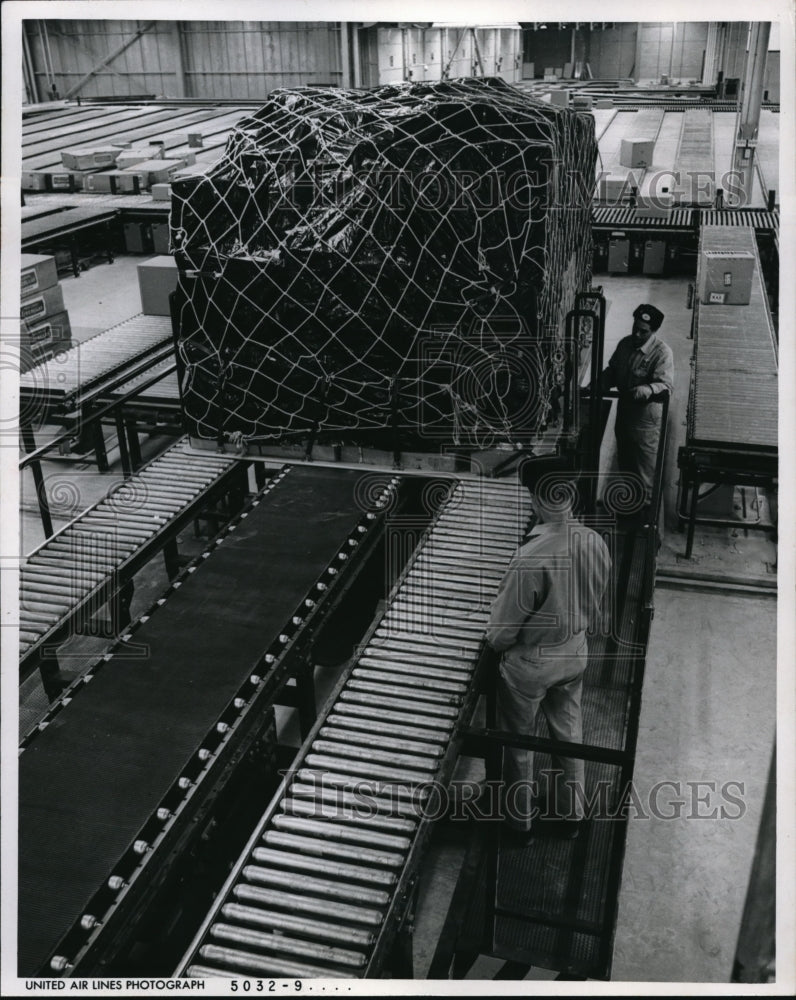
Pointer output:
x,y
44,322
115,169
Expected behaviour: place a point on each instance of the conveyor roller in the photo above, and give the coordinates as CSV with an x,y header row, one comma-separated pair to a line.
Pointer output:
x,y
343,837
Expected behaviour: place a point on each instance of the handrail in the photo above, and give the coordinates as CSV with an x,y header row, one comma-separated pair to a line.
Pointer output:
x,y
41,451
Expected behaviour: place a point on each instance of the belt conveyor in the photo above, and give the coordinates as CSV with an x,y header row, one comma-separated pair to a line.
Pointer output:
x,y
67,380
75,572
112,781
37,232
326,879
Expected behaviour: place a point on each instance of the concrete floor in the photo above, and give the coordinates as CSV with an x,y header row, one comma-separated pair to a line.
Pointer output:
x,y
708,709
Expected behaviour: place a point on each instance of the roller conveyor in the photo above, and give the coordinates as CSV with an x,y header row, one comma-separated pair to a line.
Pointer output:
x,y
87,365
735,389
342,839
83,562
733,405
110,788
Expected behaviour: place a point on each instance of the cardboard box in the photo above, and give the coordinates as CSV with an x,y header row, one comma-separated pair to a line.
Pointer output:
x,y
560,98
157,279
196,140
114,182
38,271
132,157
160,237
161,192
52,330
68,180
582,102
156,171
47,302
35,180
725,277
636,152
657,207
603,103
138,237
90,157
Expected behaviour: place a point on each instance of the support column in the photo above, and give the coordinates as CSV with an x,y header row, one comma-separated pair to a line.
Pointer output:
x,y
709,70
179,62
345,54
749,102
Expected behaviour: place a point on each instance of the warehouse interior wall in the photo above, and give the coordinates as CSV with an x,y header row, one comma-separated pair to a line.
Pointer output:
x,y
612,52
194,59
247,59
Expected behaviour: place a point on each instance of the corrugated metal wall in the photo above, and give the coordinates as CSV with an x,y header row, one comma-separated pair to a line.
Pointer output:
x,y
247,59
203,59
447,53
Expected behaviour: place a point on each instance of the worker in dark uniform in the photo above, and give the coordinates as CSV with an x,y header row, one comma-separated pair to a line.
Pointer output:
x,y
641,368
552,594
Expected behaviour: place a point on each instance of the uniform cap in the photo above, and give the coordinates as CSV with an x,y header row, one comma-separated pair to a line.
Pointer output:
x,y
649,314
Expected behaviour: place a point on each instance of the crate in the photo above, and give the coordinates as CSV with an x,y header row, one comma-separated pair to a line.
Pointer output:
x,y
35,180
156,171
559,98
132,157
49,332
47,302
89,157
161,192
725,277
38,271
636,152
114,182
157,279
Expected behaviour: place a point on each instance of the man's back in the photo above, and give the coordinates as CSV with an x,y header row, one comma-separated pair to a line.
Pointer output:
x,y
554,589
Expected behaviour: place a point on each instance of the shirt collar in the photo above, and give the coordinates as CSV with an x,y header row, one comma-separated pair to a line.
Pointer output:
x,y
544,528
647,346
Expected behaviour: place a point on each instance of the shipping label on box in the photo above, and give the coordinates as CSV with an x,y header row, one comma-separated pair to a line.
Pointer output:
x,y
68,180
45,303
90,157
725,277
52,330
636,152
38,271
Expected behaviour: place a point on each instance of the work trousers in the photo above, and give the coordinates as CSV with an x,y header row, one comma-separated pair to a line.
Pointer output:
x,y
637,451
553,680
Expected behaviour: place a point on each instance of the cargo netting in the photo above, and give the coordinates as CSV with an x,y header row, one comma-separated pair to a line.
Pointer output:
x,y
363,263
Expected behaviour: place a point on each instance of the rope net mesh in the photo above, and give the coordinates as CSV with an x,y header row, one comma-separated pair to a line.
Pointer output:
x,y
360,263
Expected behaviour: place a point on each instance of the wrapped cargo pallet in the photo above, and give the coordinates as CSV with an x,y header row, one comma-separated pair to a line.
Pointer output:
x,y
363,262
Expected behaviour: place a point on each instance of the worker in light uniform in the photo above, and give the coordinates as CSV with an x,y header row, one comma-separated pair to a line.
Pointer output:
x,y
641,367
553,592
